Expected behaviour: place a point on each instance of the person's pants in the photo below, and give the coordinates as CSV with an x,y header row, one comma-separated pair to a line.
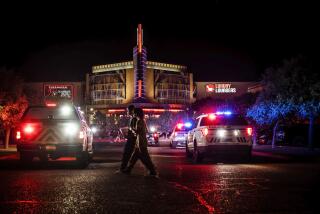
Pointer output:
x,y
144,156
127,153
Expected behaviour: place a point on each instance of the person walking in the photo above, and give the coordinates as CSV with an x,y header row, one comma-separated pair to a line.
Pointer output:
x,y
141,150
131,140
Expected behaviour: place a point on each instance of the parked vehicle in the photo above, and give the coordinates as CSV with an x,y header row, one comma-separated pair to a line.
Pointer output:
x,y
153,139
179,135
219,133
54,131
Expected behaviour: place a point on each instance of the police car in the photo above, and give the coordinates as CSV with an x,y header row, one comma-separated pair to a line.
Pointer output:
x,y
54,131
219,133
179,135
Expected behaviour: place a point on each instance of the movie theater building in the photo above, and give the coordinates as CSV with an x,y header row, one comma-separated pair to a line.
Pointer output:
x,y
156,87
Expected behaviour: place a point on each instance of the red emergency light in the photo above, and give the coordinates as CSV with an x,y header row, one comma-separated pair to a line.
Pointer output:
x,y
249,131
179,125
212,116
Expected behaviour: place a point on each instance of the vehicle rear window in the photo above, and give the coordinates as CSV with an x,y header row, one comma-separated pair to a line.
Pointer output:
x,y
47,113
232,120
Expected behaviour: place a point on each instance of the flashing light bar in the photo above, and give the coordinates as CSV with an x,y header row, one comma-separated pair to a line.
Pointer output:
x,y
223,113
188,124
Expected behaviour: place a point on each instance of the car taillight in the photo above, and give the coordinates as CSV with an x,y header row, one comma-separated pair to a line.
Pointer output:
x,y
81,135
18,135
249,131
28,129
205,131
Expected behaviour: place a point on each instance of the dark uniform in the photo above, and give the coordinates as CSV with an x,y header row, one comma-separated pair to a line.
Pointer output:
x,y
129,146
141,150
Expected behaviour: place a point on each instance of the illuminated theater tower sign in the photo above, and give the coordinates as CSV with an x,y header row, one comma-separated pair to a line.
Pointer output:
x,y
154,86
140,68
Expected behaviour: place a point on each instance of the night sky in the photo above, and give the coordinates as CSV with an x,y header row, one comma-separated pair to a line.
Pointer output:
x,y
221,41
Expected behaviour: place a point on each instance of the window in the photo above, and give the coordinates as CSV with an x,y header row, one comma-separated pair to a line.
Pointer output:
x,y
233,120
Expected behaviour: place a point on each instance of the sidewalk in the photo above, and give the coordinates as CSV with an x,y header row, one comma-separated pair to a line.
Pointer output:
x,y
287,150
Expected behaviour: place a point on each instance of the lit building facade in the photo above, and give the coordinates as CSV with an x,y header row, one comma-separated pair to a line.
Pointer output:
x,y
154,86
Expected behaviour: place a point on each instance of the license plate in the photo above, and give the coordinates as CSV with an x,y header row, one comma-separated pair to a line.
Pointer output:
x,y
51,148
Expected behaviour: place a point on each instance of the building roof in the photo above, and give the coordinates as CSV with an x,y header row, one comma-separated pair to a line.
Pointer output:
x,y
129,65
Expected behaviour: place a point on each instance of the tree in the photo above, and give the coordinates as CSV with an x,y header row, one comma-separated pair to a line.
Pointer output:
x,y
290,88
12,101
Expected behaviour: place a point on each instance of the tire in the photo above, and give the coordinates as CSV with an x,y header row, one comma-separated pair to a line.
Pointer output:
x,y
188,153
196,156
298,141
248,156
44,158
83,159
173,145
26,157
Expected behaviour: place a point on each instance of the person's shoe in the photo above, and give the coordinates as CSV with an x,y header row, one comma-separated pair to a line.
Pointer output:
x,y
119,171
126,171
153,175
122,171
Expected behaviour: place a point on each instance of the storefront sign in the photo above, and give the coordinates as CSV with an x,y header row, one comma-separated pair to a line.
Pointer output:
x,y
58,91
220,88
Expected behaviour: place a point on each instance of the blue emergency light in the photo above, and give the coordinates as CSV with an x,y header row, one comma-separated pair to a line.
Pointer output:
x,y
188,124
223,113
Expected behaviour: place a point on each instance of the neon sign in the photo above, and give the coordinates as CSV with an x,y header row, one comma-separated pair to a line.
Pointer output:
x,y
58,91
220,88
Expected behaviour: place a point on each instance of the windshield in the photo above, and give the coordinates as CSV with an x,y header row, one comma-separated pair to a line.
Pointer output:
x,y
234,120
63,112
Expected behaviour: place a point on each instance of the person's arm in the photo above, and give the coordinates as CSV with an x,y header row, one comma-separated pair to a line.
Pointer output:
x,y
139,127
133,125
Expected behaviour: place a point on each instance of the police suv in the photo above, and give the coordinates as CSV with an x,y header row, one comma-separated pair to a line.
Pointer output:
x,y
179,134
219,133
54,131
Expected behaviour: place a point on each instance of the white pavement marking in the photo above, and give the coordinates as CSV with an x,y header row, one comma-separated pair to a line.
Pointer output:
x,y
197,195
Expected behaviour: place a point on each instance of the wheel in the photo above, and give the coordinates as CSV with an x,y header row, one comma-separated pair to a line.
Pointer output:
x,y
26,157
196,156
83,159
44,158
248,156
298,141
188,153
173,145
